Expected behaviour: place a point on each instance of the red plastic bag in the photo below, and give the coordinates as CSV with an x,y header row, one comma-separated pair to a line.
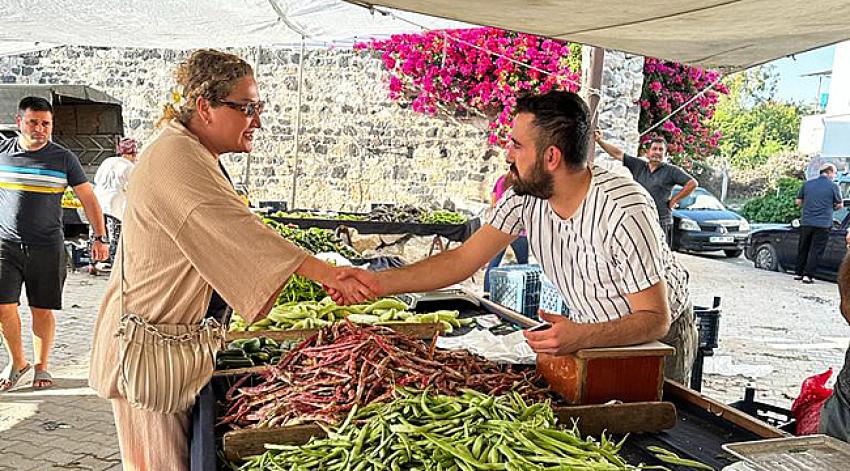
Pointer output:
x,y
807,406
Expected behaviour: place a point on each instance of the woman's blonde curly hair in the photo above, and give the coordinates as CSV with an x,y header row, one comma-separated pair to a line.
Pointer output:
x,y
206,73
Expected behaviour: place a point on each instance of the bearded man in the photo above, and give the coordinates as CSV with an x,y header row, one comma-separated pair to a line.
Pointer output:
x,y
595,234
657,176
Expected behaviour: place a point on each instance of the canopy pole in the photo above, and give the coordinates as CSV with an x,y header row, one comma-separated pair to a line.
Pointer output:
x,y
594,84
246,179
298,125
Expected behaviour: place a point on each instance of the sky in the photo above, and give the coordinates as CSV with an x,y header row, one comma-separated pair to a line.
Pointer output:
x,y
793,87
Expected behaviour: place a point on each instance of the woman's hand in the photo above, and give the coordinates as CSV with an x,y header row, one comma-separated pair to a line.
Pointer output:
x,y
352,286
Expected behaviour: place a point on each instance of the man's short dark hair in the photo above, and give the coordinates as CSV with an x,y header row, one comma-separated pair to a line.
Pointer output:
x,y
562,120
658,139
34,103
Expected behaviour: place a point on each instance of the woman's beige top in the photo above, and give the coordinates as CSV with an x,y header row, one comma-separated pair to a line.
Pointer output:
x,y
186,232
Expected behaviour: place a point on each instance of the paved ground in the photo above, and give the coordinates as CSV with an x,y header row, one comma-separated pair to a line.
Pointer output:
x,y
66,427
774,333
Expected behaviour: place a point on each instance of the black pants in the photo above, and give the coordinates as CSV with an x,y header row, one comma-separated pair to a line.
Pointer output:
x,y
810,249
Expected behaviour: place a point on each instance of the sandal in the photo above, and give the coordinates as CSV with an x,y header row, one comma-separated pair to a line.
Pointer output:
x,y
43,376
11,376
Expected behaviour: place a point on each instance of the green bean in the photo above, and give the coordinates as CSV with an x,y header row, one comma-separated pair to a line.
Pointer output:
x,y
669,457
471,432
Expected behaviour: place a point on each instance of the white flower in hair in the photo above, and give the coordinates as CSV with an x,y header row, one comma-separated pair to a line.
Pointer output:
x,y
176,98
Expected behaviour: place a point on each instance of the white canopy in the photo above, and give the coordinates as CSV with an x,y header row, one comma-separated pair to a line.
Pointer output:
x,y
731,33
189,24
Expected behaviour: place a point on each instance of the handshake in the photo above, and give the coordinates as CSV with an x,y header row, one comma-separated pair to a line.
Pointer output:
x,y
347,285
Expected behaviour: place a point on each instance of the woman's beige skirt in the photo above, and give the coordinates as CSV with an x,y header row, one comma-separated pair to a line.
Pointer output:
x,y
151,441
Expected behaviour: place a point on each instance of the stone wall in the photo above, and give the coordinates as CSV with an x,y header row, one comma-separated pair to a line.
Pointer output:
x,y
619,111
355,146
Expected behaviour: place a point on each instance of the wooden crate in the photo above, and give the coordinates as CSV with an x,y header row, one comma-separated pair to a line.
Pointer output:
x,y
599,375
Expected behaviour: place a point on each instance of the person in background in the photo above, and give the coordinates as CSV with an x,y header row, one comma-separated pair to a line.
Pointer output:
x,y
818,198
34,172
110,187
657,176
519,245
835,415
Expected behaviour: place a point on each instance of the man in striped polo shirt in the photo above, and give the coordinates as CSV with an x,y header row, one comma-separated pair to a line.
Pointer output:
x,y
596,235
34,172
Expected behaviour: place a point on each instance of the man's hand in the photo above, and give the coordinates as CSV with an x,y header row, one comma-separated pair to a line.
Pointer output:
x,y
99,251
352,286
597,135
565,336
673,204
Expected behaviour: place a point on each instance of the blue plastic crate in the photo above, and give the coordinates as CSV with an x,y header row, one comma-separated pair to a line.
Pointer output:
x,y
550,298
517,287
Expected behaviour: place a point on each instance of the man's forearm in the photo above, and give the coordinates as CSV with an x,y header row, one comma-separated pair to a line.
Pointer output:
x,y
636,328
432,273
95,216
685,191
611,149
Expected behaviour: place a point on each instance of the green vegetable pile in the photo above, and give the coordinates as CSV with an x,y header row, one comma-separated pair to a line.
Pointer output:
x,y
245,353
316,215
313,240
443,217
315,315
420,431
402,214
299,289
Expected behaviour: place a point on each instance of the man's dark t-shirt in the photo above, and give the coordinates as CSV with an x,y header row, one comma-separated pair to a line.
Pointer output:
x,y
819,195
659,183
31,187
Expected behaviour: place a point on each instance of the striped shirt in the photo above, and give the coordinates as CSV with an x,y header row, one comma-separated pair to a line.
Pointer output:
x,y
611,247
31,187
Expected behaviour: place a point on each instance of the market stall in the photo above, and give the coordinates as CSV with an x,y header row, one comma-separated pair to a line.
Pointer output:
x,y
253,407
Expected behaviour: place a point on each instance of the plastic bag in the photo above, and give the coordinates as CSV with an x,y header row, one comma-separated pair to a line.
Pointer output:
x,y
807,407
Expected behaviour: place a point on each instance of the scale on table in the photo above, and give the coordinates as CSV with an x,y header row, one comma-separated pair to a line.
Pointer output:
x,y
441,295
461,294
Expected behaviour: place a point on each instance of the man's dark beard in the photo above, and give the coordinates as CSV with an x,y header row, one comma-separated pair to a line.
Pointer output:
x,y
539,185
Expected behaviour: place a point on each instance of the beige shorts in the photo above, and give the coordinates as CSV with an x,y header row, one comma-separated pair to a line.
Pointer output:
x,y
684,337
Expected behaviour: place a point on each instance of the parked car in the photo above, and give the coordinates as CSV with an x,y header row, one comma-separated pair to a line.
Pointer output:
x,y
774,247
701,223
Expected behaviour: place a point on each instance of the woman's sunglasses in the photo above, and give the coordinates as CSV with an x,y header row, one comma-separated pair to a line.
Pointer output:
x,y
250,109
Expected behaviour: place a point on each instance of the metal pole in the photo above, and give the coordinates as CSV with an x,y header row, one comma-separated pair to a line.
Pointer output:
x,y
246,179
298,125
594,83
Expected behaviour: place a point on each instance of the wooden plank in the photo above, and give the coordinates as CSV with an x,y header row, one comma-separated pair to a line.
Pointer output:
x,y
418,330
240,371
654,348
239,444
636,417
673,390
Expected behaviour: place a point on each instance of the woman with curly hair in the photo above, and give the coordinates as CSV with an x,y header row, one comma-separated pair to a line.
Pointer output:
x,y
186,234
